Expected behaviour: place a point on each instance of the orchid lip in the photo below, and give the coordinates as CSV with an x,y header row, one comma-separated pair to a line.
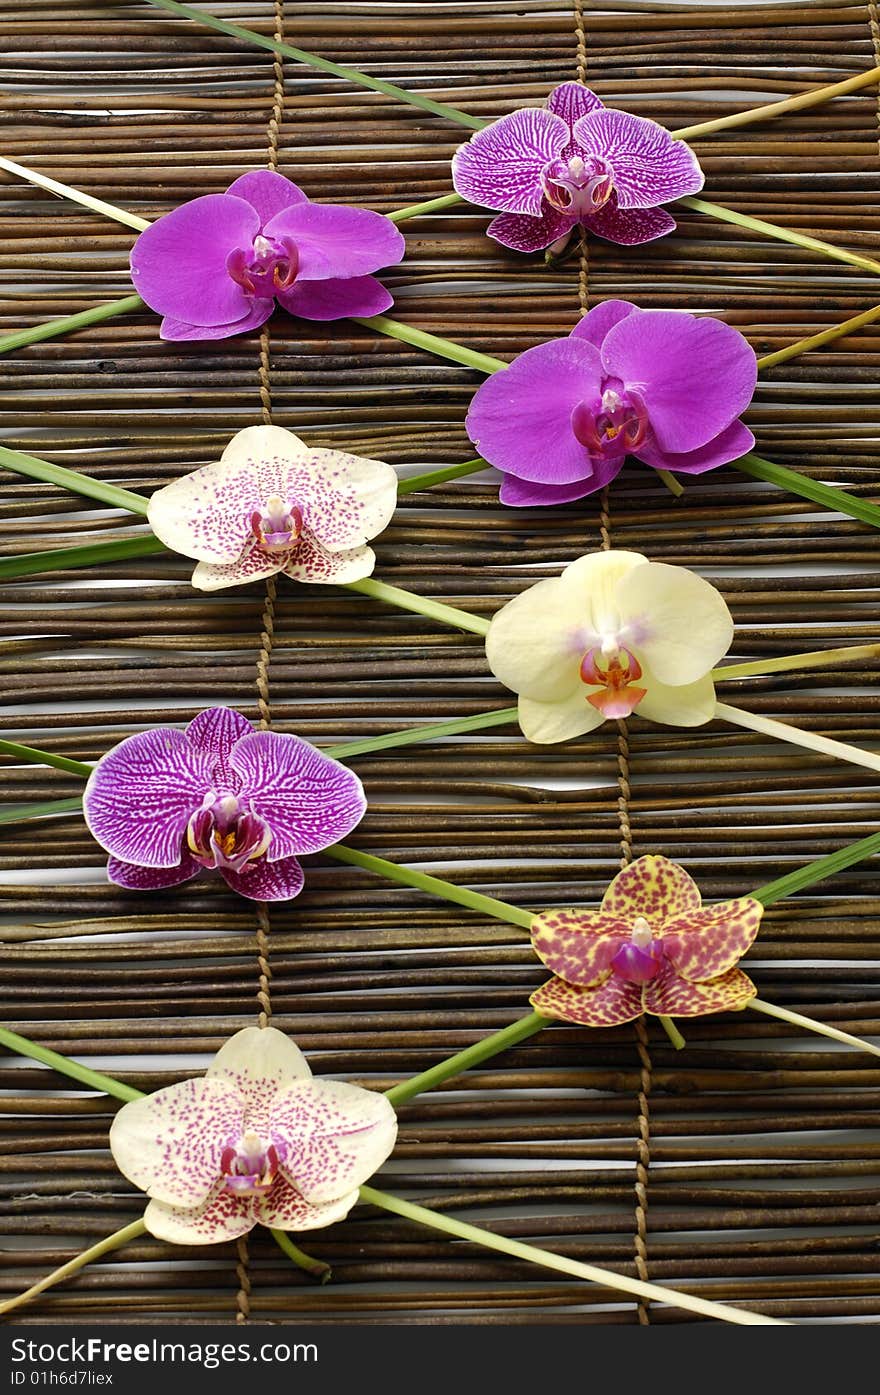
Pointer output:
x,y
278,526
614,671
639,959
577,186
222,834
617,421
270,266
251,1167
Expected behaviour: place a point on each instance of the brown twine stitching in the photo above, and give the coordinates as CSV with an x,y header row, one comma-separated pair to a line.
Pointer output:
x,y
273,131
580,29
874,21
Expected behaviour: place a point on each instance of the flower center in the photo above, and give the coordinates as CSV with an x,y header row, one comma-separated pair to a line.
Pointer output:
x,y
222,834
277,525
613,424
250,1166
641,958
270,266
577,186
612,670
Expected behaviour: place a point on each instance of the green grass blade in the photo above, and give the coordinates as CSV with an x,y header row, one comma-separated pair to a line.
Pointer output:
x,y
34,756
72,480
818,870
60,558
69,323
814,490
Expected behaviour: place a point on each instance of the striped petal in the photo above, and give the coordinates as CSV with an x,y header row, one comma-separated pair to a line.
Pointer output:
x,y
500,167
579,945
308,800
607,1005
652,887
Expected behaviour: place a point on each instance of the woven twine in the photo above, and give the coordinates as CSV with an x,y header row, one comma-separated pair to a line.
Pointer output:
x,y
264,657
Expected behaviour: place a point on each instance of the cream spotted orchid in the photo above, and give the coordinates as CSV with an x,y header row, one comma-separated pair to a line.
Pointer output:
x,y
257,1140
273,504
614,634
651,947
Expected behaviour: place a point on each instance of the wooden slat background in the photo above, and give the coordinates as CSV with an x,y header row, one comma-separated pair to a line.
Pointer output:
x,y
763,1144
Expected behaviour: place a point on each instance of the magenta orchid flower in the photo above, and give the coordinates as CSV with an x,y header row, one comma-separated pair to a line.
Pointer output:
x,y
546,171
652,947
273,504
257,1140
216,266
659,385
168,804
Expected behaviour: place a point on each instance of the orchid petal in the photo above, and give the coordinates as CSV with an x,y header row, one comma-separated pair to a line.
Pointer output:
x,y
629,227
170,1144
142,794
703,944
684,705
331,1136
594,326
315,564
333,240
268,192
693,375
608,1005
668,995
345,499
579,945
500,167
180,331
136,878
546,723
734,441
649,165
536,641
524,233
308,800
520,418
215,731
679,624
653,887
285,1209
256,1063
178,264
337,298
261,880
253,564
593,581
571,100
224,1216
523,494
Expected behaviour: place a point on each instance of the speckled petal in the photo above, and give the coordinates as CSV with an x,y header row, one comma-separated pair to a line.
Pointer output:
x,y
704,944
579,945
308,800
224,1216
654,887
671,996
254,564
284,1208
607,1005
215,731
207,515
257,1063
331,1136
345,499
500,167
315,565
170,1143
142,793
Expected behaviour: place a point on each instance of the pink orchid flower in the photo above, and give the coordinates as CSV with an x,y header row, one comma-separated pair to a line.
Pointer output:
x,y
168,805
216,266
273,504
256,1141
651,947
577,162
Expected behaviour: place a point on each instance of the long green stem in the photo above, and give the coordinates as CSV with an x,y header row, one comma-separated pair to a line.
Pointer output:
x,y
795,736
449,472
415,210
388,89
61,558
32,755
315,1267
547,1260
455,727
18,813
672,1032
816,658
73,1266
93,1078
812,244
444,348
108,210
797,1019
825,336
408,600
42,470
825,495
434,886
474,1055
770,110
817,870
69,323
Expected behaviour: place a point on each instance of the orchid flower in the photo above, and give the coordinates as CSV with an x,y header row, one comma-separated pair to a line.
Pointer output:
x,y
660,385
257,1140
577,162
651,947
614,634
216,266
273,504
168,804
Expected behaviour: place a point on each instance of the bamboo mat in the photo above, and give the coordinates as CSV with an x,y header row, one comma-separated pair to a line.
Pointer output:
x,y
755,1149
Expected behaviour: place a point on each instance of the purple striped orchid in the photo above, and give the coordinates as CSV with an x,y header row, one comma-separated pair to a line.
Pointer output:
x,y
256,1141
273,504
660,385
575,163
217,265
168,805
651,947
